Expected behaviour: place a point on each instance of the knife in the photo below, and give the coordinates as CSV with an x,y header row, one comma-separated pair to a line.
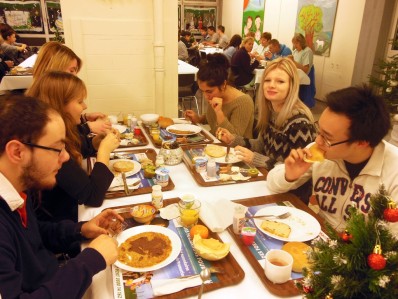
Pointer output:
x,y
226,156
126,187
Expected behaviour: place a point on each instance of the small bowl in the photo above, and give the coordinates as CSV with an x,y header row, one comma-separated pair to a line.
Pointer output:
x,y
149,119
143,213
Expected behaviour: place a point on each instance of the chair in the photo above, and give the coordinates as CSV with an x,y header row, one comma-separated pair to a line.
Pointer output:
x,y
307,92
186,90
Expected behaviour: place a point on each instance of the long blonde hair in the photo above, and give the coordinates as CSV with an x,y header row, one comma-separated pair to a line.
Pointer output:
x,y
292,101
58,89
54,56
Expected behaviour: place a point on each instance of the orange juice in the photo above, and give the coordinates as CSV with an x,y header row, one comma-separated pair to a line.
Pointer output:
x,y
189,217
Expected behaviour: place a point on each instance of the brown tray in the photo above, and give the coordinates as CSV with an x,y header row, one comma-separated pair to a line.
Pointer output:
x,y
199,179
286,289
208,139
142,138
233,273
151,153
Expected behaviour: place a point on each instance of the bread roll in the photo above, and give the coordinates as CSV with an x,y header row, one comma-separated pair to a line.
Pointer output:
x,y
276,228
164,122
123,166
298,250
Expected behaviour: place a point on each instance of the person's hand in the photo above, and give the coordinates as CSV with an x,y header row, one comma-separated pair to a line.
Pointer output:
x,y
107,247
290,57
295,166
192,116
244,154
109,143
93,116
9,63
224,135
101,224
100,125
268,55
216,104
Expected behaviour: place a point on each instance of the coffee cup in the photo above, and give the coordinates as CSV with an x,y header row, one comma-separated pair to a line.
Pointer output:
x,y
278,265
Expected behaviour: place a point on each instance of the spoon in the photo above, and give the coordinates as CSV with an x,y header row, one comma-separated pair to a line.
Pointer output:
x,y
204,275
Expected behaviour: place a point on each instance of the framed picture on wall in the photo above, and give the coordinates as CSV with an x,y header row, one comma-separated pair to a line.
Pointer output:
x,y
315,20
54,17
253,19
22,16
196,17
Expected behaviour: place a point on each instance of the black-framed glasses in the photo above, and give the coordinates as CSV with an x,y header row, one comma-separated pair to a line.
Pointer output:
x,y
59,151
325,140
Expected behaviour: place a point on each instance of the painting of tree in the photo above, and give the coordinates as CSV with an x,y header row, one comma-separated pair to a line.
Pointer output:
x,y
315,20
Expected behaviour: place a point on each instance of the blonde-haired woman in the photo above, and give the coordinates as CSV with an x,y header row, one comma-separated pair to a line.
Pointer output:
x,y
284,121
66,93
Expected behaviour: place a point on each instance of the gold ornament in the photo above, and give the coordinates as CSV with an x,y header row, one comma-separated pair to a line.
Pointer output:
x,y
329,296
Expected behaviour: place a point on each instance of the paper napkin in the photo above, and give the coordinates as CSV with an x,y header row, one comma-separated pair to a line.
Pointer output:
x,y
217,213
168,286
117,183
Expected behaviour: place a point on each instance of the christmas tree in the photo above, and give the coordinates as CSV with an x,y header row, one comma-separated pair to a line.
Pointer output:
x,y
386,80
361,262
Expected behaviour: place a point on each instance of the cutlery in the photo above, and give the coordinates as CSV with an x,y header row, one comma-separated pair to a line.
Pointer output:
x,y
211,269
281,216
204,275
226,156
126,187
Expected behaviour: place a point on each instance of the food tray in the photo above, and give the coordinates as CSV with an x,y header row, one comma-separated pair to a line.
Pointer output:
x,y
146,183
288,288
187,158
142,138
233,273
201,138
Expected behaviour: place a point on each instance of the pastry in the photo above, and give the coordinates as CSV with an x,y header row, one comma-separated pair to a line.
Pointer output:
x,y
298,250
164,122
317,154
279,229
123,166
215,151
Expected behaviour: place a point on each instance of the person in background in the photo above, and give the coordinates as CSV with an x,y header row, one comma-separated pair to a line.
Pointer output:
x,y
214,37
262,48
357,159
204,36
233,46
55,56
223,38
182,48
241,63
277,50
10,47
303,59
66,93
5,63
229,108
32,150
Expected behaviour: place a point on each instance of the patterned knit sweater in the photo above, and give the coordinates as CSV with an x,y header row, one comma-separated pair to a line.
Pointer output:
x,y
275,144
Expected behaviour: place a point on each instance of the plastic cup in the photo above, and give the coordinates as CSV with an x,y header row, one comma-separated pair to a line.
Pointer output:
x,y
248,235
189,214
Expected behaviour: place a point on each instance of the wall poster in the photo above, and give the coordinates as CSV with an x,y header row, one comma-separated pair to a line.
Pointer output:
x,y
315,20
23,16
196,17
54,17
253,18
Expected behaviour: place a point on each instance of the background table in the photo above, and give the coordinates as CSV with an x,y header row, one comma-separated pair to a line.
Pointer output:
x,y
250,287
11,82
186,68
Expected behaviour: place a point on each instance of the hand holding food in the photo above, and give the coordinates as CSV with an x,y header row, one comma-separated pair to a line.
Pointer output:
x,y
192,116
107,247
224,135
100,125
100,224
109,143
93,116
315,154
295,166
244,154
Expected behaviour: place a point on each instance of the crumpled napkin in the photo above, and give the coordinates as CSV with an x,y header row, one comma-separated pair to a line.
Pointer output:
x,y
217,213
117,183
168,286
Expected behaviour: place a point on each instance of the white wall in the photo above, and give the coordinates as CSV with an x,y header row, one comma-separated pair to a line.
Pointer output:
x,y
123,66
332,72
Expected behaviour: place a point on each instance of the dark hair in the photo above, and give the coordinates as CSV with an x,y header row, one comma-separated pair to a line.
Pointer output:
x,y
221,28
6,32
203,28
266,35
368,113
298,37
274,42
211,28
185,33
235,41
214,70
22,118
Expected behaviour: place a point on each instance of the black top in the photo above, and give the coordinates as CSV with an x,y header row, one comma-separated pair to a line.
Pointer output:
x,y
241,67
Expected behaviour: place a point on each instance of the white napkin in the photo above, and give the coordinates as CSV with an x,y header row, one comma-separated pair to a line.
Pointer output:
x,y
168,286
217,213
181,121
117,183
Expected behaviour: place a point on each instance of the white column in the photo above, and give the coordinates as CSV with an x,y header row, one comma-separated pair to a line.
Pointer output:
x,y
159,56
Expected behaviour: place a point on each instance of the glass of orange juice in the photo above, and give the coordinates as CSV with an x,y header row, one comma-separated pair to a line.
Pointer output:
x,y
189,213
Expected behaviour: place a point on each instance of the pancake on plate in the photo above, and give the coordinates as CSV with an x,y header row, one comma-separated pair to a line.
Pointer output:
x,y
215,151
145,250
123,166
298,250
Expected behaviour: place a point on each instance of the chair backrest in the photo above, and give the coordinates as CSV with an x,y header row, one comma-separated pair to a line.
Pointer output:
x,y
186,79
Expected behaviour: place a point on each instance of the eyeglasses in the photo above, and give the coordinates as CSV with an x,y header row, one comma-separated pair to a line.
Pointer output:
x,y
325,140
59,151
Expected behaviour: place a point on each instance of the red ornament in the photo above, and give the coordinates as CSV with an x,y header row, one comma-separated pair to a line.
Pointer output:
x,y
391,213
375,260
346,236
307,290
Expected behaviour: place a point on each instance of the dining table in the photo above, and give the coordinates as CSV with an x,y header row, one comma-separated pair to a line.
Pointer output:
x,y
185,68
19,81
251,286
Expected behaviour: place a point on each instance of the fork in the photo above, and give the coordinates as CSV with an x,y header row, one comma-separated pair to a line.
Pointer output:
x,y
281,216
226,156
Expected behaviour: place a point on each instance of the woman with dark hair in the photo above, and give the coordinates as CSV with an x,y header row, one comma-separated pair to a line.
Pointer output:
x,y
232,47
228,107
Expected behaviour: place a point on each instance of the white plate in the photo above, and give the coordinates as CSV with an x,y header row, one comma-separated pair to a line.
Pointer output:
x,y
184,127
304,227
232,157
120,128
175,241
137,167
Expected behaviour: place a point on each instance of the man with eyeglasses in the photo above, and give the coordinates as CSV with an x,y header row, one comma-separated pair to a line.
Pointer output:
x,y
32,150
357,159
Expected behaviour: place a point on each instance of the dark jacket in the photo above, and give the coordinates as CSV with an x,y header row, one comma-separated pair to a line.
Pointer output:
x,y
241,67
